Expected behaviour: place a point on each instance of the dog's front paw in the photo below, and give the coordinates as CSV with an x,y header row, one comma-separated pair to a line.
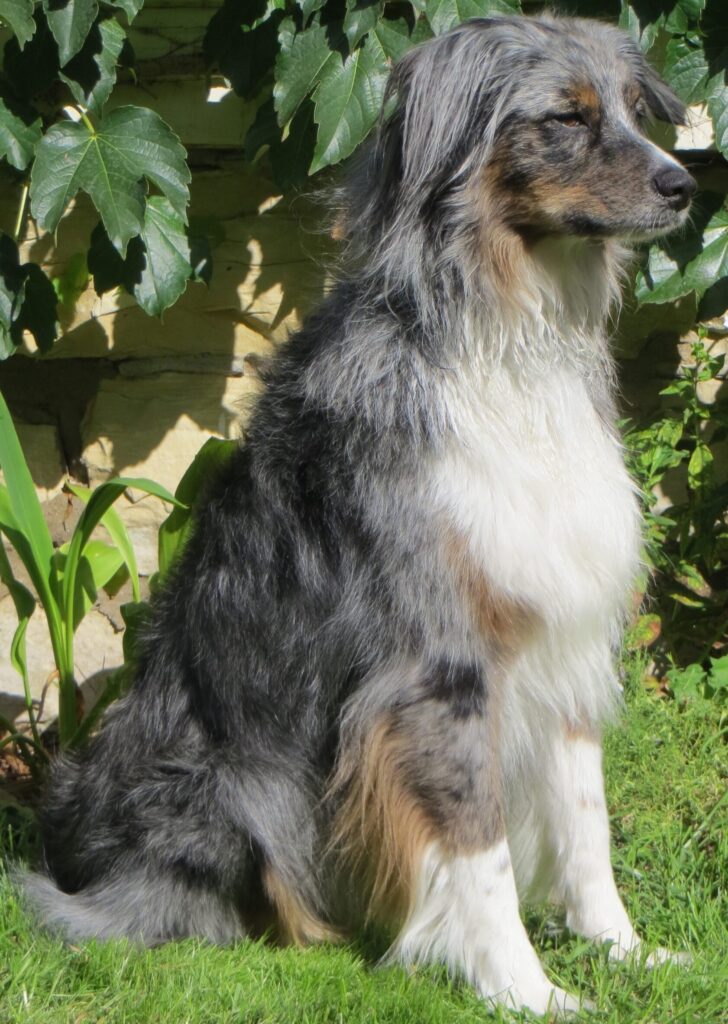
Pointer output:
x,y
549,999
658,956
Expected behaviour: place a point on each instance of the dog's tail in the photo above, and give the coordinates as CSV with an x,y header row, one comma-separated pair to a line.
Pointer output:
x,y
130,906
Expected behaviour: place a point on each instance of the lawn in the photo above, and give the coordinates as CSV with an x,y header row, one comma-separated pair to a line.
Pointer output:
x,y
667,769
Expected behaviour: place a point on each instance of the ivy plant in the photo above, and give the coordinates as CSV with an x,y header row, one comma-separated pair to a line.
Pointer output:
x,y
59,138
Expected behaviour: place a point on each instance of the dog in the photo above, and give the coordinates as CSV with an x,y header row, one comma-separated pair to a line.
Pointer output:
x,y
376,680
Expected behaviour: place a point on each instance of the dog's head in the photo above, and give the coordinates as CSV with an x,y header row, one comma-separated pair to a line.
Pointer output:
x,y
544,119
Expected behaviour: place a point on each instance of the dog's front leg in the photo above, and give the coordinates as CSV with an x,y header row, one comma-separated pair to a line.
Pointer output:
x,y
577,831
424,801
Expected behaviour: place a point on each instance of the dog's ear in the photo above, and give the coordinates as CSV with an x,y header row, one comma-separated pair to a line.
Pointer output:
x,y
438,106
664,104
662,101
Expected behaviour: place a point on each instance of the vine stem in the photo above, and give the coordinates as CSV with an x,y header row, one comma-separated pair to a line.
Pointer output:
x,y
87,121
21,211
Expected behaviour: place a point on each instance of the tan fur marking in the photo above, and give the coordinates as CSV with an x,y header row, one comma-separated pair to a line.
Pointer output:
x,y
585,98
581,730
499,248
379,826
499,619
296,924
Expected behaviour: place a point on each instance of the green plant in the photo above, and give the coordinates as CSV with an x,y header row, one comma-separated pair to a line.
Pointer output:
x,y
58,72
66,580
687,542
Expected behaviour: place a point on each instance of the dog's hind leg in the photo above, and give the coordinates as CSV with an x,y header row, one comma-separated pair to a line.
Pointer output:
x,y
419,788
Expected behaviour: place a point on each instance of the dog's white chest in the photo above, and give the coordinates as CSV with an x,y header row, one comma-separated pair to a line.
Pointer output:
x,y
536,485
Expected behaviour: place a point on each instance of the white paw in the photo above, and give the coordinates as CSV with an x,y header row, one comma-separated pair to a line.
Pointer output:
x,y
666,956
547,1000
656,958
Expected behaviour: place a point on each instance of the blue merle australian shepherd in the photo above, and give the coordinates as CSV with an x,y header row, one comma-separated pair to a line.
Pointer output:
x,y
376,683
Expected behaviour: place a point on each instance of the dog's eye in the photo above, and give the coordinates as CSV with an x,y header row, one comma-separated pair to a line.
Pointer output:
x,y
571,120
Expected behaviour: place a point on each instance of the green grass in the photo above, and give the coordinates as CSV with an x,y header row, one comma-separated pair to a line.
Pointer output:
x,y
666,769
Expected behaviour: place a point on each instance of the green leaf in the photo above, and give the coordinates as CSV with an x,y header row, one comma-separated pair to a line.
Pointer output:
x,y
19,134
21,517
112,522
109,163
24,607
98,504
32,69
70,22
718,110
361,17
12,293
70,284
686,68
445,14
27,301
158,264
687,683
719,673
394,37
303,59
309,7
98,564
91,75
175,530
692,8
348,99
38,313
243,43
700,467
130,7
168,258
18,14
667,278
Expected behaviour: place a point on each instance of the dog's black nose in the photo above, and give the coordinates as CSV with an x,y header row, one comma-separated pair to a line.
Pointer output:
x,y
675,185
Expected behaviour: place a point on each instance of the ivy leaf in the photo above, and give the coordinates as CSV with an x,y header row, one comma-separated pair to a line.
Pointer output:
x,y
243,51
692,8
70,22
91,74
32,69
309,7
12,292
444,14
18,14
20,133
109,163
169,259
686,68
290,157
697,263
38,313
27,301
361,17
158,263
348,99
130,7
394,37
303,59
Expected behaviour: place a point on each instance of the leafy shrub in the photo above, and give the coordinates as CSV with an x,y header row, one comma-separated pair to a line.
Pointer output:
x,y
687,542
66,579
63,60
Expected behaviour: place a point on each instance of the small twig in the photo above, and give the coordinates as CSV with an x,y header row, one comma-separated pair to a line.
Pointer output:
x,y
21,211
